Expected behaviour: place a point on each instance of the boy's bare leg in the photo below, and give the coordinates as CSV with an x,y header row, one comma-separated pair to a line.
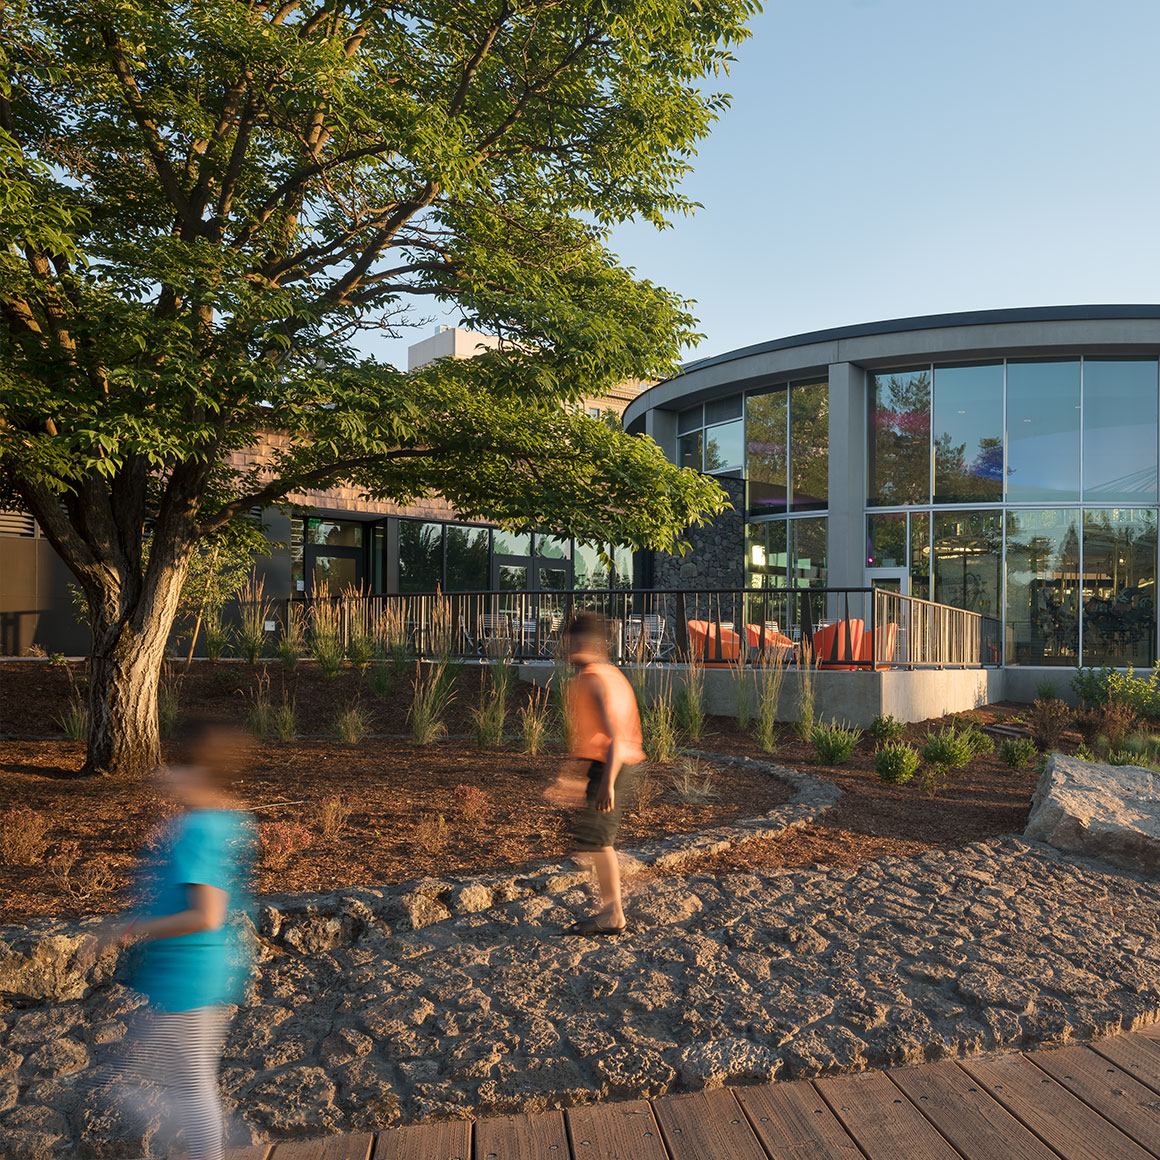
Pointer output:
x,y
607,867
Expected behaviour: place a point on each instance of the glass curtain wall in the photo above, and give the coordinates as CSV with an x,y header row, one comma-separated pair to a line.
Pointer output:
x,y
898,427
1043,426
781,553
1119,586
968,560
1043,549
968,433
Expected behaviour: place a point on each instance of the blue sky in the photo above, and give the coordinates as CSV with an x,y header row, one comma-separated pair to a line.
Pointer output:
x,y
884,158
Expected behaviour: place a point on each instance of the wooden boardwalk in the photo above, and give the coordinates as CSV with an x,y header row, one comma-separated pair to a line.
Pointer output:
x,y
1075,1103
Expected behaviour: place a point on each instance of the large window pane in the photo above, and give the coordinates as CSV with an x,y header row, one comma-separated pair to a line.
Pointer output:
x,y
920,555
1042,432
886,541
807,558
1119,586
420,556
1043,587
809,432
512,579
589,570
467,559
1119,431
968,556
725,446
512,543
968,433
689,451
334,533
899,438
625,562
553,547
767,448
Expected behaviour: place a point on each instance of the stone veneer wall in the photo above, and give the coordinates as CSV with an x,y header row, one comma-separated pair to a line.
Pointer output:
x,y
717,555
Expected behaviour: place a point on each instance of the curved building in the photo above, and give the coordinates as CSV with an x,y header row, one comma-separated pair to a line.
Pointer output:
x,y
1001,461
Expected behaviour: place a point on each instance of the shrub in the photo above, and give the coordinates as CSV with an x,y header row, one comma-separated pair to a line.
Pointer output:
x,y
73,719
352,724
254,611
380,679
1112,721
690,702
434,691
23,836
886,728
943,751
1018,752
692,784
1098,687
91,879
331,815
326,637
431,835
490,715
535,718
659,725
834,743
1047,721
291,646
1046,691
284,720
217,634
977,741
647,792
472,804
260,717
279,842
895,762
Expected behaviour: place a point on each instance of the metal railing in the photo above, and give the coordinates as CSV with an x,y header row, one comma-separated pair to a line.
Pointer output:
x,y
838,628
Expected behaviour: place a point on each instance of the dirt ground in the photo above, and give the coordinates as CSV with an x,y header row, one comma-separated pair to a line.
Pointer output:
x,y
408,813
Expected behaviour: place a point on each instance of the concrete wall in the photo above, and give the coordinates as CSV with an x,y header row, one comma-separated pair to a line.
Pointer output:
x,y
845,530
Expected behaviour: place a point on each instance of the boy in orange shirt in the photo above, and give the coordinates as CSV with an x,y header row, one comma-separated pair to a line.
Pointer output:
x,y
606,739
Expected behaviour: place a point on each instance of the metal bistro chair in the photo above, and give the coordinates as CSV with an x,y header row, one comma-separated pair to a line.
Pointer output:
x,y
647,634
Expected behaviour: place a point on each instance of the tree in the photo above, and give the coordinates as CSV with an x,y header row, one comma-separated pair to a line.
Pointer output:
x,y
204,203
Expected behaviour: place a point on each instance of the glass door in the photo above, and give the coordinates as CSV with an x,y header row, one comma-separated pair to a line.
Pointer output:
x,y
892,579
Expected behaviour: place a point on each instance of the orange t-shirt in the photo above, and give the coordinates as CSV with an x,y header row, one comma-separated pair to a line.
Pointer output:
x,y
591,741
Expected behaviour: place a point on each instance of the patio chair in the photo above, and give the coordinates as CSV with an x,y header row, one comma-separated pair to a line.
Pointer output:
x,y
704,642
831,641
766,638
647,633
889,635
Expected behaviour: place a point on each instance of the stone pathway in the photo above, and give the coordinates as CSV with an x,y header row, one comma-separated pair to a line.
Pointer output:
x,y
735,979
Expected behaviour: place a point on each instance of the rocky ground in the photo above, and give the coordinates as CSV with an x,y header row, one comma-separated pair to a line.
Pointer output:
x,y
742,978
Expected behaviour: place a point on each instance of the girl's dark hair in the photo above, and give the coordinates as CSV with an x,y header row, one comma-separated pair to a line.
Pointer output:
x,y
589,625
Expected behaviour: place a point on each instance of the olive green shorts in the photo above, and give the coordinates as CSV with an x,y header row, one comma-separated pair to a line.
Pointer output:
x,y
592,829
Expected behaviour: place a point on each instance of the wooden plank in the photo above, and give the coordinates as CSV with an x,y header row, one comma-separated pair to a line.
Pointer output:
x,y
1135,1054
1152,1031
706,1124
966,1115
622,1131
446,1140
1060,1120
253,1152
1132,1107
356,1147
795,1123
534,1137
882,1121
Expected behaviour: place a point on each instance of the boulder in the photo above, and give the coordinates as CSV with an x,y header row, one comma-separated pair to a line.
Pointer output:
x,y
1110,812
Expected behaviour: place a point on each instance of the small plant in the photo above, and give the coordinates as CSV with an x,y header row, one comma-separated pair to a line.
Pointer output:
x,y
1046,691
690,702
834,743
254,612
260,717
73,719
1047,721
692,784
535,718
360,643
1083,753
886,728
647,792
942,752
490,715
807,694
659,725
90,880
770,677
279,842
168,701
434,691
291,646
380,679
1112,721
472,804
57,661
352,724
978,741
744,689
431,835
390,640
217,634
895,762
326,637
284,720
23,836
331,816
1018,752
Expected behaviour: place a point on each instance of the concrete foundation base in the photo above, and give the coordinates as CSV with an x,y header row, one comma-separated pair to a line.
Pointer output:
x,y
853,697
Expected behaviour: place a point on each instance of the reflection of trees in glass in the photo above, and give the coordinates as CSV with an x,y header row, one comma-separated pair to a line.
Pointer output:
x,y
809,459
467,559
420,556
886,541
1119,586
1042,586
968,553
900,439
767,451
959,481
808,558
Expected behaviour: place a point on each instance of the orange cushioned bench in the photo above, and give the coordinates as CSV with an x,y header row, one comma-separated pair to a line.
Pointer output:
x,y
703,642
830,658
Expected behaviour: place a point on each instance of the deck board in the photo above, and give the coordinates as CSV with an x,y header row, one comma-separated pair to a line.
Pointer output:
x,y
795,1123
357,1147
707,1124
541,1136
447,1140
1135,1054
1127,1103
882,1121
626,1131
1058,1118
962,1110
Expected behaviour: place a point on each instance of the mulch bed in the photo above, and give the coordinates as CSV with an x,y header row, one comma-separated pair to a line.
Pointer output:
x,y
397,793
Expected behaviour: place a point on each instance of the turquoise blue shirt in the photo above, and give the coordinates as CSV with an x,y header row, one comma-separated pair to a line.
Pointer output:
x,y
209,967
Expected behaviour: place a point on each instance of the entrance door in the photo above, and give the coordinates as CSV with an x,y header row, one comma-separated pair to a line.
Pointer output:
x,y
890,617
333,569
892,579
